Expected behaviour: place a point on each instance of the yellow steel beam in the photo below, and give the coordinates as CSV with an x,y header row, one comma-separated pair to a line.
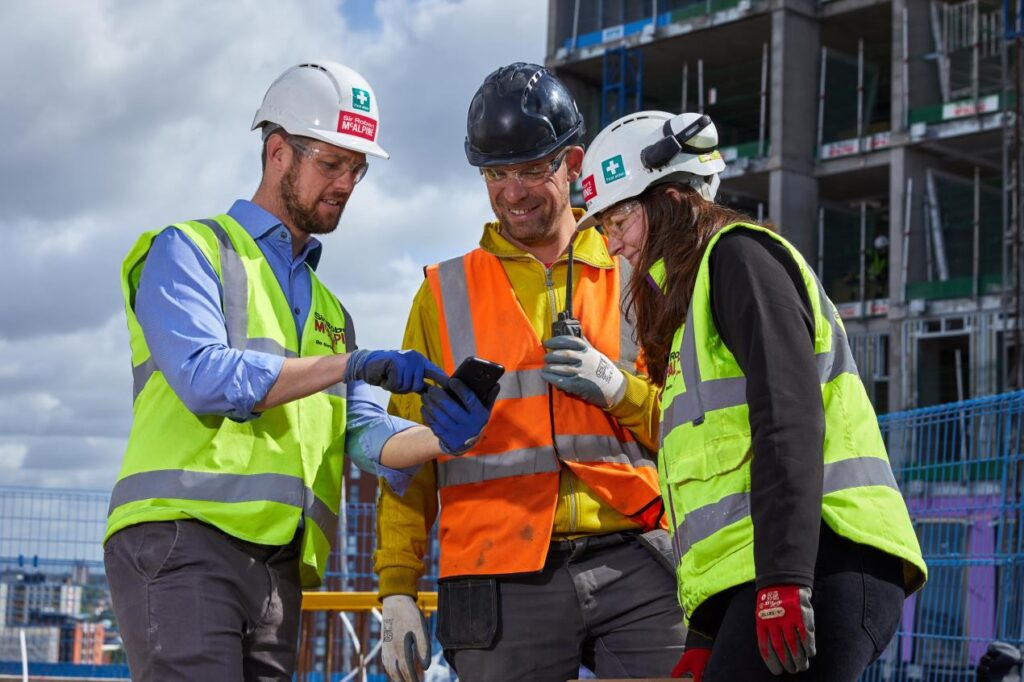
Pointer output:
x,y
357,601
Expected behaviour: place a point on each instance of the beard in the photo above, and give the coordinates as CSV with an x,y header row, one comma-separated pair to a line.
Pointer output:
x,y
305,218
537,231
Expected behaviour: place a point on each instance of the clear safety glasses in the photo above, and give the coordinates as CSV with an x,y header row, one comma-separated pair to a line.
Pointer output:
x,y
616,220
531,176
331,165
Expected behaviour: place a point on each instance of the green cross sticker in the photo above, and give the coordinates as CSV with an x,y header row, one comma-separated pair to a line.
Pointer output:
x,y
613,169
360,99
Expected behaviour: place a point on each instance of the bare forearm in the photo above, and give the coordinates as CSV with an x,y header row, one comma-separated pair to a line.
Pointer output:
x,y
301,377
411,447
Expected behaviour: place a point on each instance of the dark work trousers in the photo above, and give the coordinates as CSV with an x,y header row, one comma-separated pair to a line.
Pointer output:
x,y
857,599
193,603
608,602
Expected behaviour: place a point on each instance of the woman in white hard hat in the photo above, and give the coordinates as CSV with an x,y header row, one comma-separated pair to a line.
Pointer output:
x,y
766,430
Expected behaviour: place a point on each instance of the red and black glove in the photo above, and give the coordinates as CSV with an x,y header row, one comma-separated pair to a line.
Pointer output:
x,y
785,628
694,659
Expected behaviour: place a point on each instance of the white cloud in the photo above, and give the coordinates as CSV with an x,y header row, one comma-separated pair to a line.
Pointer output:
x,y
123,116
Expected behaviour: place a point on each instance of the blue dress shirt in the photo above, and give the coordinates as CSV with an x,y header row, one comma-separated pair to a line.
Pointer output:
x,y
178,305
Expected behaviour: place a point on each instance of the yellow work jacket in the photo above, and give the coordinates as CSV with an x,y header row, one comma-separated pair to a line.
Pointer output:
x,y
541,295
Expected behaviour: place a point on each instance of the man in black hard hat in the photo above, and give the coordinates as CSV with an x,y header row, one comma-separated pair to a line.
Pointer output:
x,y
551,528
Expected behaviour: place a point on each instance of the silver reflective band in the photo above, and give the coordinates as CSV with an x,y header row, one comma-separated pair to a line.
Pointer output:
x,y
181,484
457,314
541,459
235,287
628,351
701,397
524,383
856,472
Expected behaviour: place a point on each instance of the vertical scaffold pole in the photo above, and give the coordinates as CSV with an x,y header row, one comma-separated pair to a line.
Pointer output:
x,y
686,77
821,99
700,86
976,244
863,259
860,95
821,243
764,100
905,242
905,90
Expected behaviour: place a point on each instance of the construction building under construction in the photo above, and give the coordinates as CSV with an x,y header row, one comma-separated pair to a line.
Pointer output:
x,y
881,137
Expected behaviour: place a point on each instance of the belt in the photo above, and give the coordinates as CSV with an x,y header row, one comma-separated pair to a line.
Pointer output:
x,y
588,544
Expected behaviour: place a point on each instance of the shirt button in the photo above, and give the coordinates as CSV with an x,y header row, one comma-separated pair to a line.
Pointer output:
x,y
297,311
282,235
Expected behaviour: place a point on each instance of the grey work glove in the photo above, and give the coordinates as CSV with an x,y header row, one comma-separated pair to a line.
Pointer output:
x,y
785,628
1001,663
405,645
576,367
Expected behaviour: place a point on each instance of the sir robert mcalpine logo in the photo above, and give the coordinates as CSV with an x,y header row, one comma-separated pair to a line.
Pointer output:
x,y
589,188
328,331
358,125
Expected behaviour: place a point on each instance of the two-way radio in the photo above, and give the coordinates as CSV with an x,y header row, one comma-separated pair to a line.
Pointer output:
x,y
566,324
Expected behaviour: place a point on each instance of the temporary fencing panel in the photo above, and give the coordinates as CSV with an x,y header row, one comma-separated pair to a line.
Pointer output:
x,y
960,466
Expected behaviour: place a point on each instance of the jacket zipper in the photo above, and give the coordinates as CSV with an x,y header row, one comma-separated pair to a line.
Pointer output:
x,y
549,283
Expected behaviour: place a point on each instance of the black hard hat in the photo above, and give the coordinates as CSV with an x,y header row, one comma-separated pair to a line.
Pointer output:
x,y
521,113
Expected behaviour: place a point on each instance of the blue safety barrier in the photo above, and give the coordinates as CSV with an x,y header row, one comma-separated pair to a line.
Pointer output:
x,y
960,467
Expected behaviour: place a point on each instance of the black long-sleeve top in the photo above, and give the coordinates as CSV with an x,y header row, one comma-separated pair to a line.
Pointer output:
x,y
760,307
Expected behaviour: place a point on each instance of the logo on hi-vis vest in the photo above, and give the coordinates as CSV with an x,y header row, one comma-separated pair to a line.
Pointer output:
x,y
613,169
328,331
589,188
358,125
673,365
360,99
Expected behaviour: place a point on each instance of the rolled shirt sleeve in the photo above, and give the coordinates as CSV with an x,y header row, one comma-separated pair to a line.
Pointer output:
x,y
367,429
179,310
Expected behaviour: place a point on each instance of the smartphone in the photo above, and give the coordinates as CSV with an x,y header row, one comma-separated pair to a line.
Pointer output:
x,y
479,375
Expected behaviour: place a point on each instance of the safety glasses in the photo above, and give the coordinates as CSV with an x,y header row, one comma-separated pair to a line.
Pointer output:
x,y
616,220
329,164
531,176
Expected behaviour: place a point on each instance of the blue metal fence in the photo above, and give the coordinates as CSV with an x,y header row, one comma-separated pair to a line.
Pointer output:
x,y
960,466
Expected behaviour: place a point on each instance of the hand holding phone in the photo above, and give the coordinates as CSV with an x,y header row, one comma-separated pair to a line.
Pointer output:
x,y
480,376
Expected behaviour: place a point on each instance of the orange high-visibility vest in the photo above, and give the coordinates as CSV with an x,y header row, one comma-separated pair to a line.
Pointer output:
x,y
498,500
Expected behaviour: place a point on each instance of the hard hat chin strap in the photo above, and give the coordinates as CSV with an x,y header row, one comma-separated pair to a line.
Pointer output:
x,y
661,152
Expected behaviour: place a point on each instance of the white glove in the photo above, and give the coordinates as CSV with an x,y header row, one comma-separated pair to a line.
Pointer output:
x,y
576,367
405,647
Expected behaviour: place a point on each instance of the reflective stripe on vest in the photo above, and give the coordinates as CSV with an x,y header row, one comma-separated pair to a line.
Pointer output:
x,y
703,522
200,486
541,460
235,288
701,397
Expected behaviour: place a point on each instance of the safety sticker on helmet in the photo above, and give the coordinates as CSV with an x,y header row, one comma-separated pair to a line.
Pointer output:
x,y
357,125
360,99
613,169
589,188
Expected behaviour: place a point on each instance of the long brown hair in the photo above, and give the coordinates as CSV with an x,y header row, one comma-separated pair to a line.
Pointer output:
x,y
679,227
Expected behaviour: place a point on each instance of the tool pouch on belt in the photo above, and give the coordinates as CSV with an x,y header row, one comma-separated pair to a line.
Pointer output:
x,y
467,613
658,543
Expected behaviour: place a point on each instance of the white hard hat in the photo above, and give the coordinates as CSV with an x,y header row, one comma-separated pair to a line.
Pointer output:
x,y
646,148
326,101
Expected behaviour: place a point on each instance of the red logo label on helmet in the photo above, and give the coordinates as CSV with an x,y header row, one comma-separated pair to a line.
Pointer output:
x,y
358,125
589,188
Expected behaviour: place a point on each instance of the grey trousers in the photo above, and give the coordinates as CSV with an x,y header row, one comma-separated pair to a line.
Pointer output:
x,y
610,606
193,603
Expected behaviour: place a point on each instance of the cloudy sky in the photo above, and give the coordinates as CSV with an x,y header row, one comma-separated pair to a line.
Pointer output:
x,y
121,116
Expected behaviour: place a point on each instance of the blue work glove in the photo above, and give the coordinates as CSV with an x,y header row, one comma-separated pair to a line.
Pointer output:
x,y
576,367
397,371
456,423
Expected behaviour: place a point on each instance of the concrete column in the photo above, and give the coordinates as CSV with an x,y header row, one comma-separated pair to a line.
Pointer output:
x,y
923,75
792,187
905,162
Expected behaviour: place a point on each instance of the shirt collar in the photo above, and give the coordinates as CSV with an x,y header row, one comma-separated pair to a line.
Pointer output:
x,y
589,247
258,222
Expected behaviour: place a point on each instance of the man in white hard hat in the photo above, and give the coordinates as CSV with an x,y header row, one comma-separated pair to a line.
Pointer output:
x,y
248,391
